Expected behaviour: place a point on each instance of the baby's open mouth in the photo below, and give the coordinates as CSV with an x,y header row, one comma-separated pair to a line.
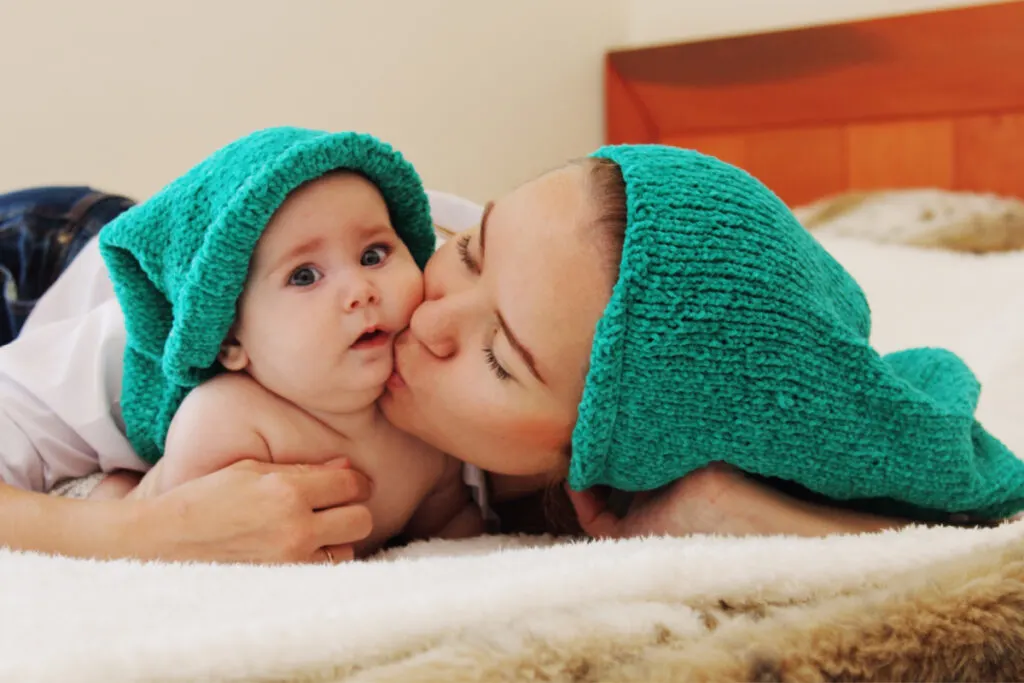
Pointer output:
x,y
370,338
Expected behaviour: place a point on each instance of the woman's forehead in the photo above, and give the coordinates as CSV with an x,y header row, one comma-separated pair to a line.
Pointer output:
x,y
557,193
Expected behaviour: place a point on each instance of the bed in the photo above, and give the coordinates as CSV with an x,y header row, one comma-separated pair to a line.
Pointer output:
x,y
900,142
928,100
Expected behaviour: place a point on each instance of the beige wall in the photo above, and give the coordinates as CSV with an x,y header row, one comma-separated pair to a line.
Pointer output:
x,y
479,94
126,94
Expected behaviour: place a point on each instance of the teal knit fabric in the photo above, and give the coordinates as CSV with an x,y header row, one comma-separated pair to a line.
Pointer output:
x,y
733,336
179,261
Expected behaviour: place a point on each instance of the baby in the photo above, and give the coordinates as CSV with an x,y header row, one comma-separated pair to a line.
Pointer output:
x,y
330,283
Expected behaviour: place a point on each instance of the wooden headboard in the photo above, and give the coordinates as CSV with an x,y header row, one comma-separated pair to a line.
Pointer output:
x,y
925,100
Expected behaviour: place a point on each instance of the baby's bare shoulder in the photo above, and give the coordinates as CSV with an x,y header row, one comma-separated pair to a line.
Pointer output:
x,y
291,434
231,401
231,393
218,419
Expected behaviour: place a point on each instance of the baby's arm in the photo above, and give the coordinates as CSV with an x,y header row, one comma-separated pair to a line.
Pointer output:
x,y
214,427
448,511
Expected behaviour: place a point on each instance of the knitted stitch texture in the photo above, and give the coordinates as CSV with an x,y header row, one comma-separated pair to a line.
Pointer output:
x,y
732,335
179,261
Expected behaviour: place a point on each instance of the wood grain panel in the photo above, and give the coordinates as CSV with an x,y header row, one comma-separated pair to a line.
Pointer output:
x,y
925,100
901,154
626,118
989,153
936,64
799,165
731,149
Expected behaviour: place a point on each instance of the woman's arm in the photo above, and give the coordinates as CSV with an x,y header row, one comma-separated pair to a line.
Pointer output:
x,y
248,512
720,500
54,525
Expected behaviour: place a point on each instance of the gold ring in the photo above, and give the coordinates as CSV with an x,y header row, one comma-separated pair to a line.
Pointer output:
x,y
330,556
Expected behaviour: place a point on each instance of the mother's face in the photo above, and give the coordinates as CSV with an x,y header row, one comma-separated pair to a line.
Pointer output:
x,y
493,364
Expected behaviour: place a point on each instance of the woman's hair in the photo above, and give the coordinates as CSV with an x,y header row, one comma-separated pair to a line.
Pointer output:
x,y
607,190
550,511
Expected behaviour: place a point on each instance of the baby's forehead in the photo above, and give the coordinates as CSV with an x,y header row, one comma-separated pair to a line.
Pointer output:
x,y
341,211
341,235
336,233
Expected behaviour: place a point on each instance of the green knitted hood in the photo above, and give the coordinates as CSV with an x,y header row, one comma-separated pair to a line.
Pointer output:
x,y
733,336
179,261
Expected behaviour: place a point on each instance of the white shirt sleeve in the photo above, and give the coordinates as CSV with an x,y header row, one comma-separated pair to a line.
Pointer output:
x,y
60,390
60,380
60,383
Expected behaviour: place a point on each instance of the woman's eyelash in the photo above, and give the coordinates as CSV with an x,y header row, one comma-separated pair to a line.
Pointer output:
x,y
462,245
501,372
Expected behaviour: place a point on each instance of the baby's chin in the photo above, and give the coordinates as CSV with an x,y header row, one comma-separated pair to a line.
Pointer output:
x,y
344,398
366,383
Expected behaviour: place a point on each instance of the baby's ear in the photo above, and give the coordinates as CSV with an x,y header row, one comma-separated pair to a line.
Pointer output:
x,y
232,356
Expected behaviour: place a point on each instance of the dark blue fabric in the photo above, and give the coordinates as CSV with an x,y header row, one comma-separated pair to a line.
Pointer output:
x,y
42,229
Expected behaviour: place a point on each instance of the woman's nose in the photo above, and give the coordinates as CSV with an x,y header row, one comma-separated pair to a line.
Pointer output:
x,y
359,293
435,325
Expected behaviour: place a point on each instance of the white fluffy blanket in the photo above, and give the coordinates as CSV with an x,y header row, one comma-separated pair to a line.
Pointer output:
x,y
424,614
498,609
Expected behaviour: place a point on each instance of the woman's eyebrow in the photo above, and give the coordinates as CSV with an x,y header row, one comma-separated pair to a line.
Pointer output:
x,y
483,229
523,352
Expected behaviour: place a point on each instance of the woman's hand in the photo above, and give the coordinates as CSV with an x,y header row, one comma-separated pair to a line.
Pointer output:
x,y
718,500
257,512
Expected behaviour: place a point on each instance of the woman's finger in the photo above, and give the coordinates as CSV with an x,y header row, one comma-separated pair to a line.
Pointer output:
x,y
593,515
321,486
343,525
332,486
334,554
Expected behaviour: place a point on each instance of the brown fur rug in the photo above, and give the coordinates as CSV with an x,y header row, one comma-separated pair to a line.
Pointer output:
x,y
956,620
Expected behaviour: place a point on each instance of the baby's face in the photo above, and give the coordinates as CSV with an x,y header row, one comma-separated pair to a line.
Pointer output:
x,y
330,286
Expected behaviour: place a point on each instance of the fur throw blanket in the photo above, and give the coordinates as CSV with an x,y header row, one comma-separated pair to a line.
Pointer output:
x,y
920,604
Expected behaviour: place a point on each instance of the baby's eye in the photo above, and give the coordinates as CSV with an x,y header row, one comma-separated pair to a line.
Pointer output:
x,y
304,276
375,255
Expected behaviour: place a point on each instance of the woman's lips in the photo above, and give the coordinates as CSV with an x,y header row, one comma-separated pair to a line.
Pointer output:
x,y
395,381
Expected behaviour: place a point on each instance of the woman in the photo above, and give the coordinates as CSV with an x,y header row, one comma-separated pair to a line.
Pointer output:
x,y
543,239
723,331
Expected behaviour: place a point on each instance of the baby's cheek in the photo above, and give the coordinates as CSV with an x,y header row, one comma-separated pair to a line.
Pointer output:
x,y
412,294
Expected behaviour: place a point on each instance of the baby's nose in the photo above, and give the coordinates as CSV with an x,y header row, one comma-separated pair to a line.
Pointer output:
x,y
360,294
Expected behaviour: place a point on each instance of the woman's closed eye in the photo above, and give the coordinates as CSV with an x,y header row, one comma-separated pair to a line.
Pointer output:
x,y
462,246
305,276
495,366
